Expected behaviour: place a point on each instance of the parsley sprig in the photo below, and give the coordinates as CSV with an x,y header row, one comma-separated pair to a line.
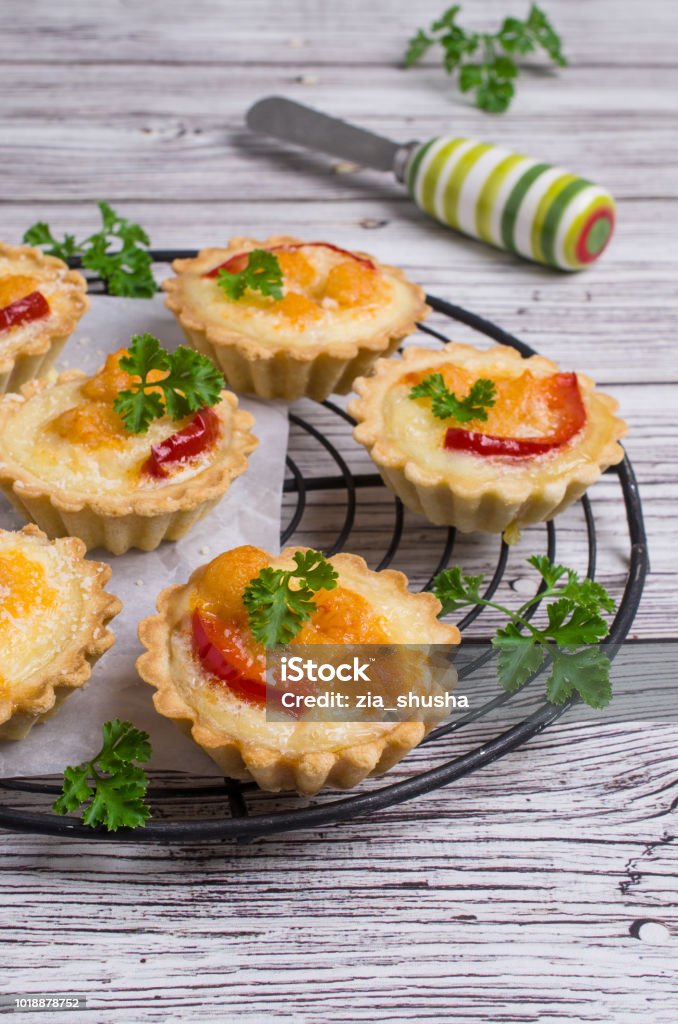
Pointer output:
x,y
191,382
262,273
116,253
111,784
445,404
485,59
280,601
574,608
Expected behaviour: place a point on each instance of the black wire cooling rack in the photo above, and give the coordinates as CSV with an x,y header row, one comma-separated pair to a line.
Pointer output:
x,y
240,820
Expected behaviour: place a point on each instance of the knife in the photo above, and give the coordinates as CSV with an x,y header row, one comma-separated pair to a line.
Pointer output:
x,y
513,202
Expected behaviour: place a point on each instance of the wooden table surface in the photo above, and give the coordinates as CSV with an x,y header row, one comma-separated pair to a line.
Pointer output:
x,y
515,894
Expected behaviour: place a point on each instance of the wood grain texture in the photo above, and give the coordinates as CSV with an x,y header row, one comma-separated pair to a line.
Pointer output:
x,y
304,32
515,895
128,136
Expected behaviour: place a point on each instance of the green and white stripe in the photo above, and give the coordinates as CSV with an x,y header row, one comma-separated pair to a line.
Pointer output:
x,y
536,210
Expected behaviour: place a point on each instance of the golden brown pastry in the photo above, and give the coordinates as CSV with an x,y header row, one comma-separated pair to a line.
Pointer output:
x,y
53,617
69,464
208,669
335,312
41,302
545,438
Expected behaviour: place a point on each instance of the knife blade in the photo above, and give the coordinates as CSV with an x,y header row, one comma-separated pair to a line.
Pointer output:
x,y
311,129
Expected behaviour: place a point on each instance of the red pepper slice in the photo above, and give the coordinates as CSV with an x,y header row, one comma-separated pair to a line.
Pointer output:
x,y
30,307
217,656
215,649
200,434
237,263
567,401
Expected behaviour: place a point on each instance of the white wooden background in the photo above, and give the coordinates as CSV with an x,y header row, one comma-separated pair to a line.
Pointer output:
x,y
515,895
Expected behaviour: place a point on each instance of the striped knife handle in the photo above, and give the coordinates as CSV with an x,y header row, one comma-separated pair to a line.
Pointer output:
x,y
538,211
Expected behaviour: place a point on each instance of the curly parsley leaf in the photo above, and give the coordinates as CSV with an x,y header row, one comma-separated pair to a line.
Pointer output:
x,y
588,594
585,672
541,32
117,253
280,601
570,624
315,570
418,45
40,235
445,404
145,353
447,20
549,571
76,789
192,383
518,657
584,592
111,784
454,590
123,742
137,409
119,801
262,273
567,642
491,72
189,382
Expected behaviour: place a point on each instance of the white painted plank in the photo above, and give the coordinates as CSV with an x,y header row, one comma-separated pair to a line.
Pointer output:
x,y
165,31
498,885
190,143
211,97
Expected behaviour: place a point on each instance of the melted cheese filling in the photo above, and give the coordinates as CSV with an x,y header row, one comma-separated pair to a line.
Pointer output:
x,y
411,425
41,604
81,468
52,285
329,304
220,709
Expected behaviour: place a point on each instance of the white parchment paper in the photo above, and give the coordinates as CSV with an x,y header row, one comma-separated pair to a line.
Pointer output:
x,y
248,514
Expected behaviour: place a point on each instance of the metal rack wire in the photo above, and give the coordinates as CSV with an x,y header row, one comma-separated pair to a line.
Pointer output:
x,y
242,822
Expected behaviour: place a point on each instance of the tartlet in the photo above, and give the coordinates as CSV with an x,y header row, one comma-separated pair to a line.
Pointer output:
x,y
53,617
41,302
340,310
548,436
68,464
227,719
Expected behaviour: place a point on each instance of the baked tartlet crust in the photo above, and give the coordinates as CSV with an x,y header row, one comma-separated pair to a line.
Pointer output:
x,y
510,499
72,664
275,369
123,520
273,769
35,355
